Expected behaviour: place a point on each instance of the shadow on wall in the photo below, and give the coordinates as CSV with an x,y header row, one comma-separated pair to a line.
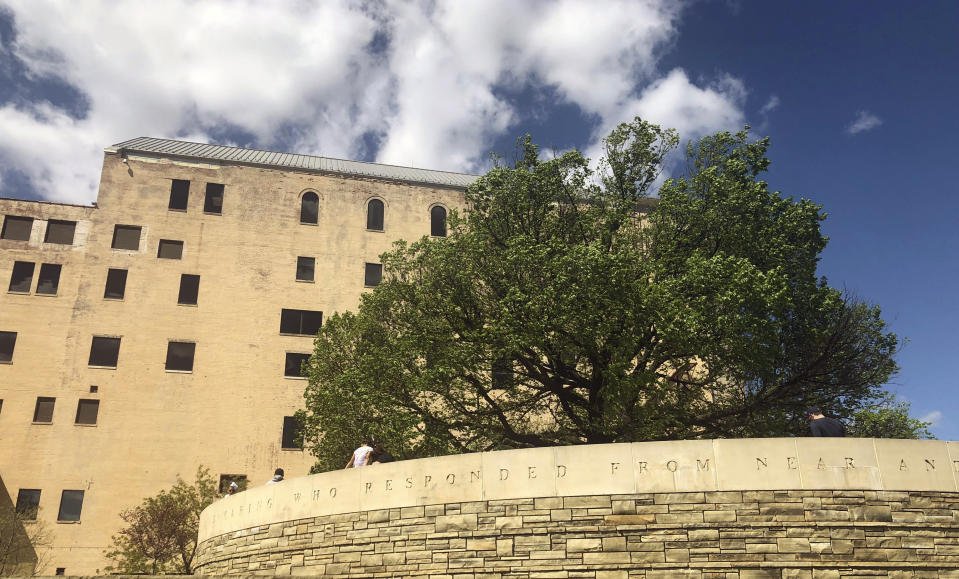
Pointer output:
x,y
17,554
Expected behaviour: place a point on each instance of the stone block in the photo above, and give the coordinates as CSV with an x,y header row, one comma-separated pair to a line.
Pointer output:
x,y
795,545
760,573
509,523
624,507
504,547
607,558
451,523
484,544
677,555
719,516
673,498
647,556
587,502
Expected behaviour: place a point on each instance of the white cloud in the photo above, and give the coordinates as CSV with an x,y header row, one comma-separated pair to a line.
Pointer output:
x,y
302,76
771,105
864,121
933,417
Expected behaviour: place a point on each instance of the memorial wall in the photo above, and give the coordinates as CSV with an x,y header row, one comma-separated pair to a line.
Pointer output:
x,y
712,508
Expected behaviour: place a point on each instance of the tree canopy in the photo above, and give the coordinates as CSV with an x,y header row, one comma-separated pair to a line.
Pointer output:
x,y
161,532
569,306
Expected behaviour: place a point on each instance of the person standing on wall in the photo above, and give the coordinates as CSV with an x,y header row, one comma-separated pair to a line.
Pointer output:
x,y
821,425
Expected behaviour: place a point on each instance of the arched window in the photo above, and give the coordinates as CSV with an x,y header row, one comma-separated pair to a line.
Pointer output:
x,y
438,221
309,208
374,215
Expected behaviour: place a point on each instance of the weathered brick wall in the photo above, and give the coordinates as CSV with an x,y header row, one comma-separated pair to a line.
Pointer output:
x,y
727,535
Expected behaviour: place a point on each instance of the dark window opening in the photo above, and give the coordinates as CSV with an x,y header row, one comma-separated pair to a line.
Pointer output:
x,y
189,289
116,284
374,215
87,411
49,279
301,322
179,356
94,389
28,503
126,237
309,208
226,479
374,274
61,570
22,277
43,412
501,373
304,268
214,198
438,221
7,342
71,503
60,232
170,249
17,228
179,194
294,364
292,434
104,351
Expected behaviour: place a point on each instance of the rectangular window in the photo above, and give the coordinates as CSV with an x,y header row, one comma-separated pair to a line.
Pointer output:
x,y
294,364
104,351
28,503
291,434
16,228
116,284
7,342
43,412
179,356
71,503
374,274
60,232
189,289
87,411
214,198
226,479
304,268
49,279
179,194
22,277
126,237
301,322
170,249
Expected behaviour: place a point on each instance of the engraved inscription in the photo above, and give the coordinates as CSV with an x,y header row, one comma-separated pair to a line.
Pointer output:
x,y
672,465
643,465
762,463
561,470
451,478
613,467
503,473
930,464
792,463
702,464
531,472
849,463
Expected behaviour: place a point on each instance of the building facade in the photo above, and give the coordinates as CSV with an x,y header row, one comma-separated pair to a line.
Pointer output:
x,y
163,327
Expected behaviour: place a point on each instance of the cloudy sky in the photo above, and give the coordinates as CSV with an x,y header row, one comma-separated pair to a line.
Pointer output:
x,y
859,99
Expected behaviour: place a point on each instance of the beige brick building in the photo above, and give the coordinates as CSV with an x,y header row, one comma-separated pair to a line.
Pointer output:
x,y
162,328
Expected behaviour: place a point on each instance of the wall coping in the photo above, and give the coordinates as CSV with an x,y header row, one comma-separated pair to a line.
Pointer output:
x,y
625,468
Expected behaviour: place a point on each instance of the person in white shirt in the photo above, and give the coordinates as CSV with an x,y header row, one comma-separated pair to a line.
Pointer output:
x,y
360,456
277,476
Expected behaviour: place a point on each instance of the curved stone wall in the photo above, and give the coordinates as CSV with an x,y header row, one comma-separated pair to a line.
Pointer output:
x,y
723,508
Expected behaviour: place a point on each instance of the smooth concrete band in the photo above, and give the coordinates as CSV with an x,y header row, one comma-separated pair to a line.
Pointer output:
x,y
642,467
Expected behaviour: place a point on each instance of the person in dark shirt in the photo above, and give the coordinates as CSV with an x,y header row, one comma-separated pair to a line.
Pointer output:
x,y
380,455
821,425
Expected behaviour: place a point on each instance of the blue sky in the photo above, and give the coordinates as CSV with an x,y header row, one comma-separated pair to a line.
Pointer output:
x,y
858,97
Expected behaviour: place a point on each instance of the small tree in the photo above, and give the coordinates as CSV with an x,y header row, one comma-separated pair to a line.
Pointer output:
x,y
161,532
888,419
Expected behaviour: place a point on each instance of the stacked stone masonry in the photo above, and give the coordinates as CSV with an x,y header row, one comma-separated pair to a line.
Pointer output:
x,y
708,535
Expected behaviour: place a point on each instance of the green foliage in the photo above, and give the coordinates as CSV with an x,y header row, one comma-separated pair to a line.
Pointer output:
x,y
161,532
567,307
888,419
